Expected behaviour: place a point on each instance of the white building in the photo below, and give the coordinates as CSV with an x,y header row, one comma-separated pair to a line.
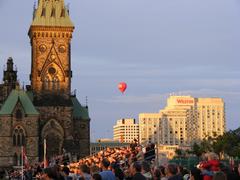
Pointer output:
x,y
126,130
183,121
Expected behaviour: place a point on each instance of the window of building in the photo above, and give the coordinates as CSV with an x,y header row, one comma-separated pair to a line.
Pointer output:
x,y
19,114
19,137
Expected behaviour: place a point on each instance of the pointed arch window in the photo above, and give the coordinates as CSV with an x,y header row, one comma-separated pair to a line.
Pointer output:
x,y
46,83
19,138
56,84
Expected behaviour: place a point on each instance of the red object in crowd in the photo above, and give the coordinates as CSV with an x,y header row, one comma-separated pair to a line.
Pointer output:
x,y
122,86
212,165
24,158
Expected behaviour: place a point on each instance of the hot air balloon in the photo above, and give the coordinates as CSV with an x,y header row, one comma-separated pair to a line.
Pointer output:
x,y
122,87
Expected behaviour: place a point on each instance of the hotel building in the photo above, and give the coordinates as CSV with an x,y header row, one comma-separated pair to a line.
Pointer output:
x,y
183,121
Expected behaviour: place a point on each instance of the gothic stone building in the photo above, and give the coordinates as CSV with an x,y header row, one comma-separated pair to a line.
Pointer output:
x,y
46,109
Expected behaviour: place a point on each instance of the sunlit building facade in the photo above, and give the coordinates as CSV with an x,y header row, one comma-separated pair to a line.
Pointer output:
x,y
126,130
183,121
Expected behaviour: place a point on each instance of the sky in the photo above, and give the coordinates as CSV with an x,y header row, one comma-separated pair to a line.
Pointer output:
x,y
157,46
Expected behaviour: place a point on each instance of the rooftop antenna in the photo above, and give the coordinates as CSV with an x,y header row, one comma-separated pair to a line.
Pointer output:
x,y
23,84
86,101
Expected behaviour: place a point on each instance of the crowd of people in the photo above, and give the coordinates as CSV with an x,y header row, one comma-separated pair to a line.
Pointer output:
x,y
130,163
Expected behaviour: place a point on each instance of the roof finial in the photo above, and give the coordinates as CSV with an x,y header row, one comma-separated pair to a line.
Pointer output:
x,y
23,84
34,9
86,101
68,8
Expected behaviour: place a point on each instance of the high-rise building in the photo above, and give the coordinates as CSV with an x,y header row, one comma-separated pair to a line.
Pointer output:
x,y
148,127
126,130
183,121
211,117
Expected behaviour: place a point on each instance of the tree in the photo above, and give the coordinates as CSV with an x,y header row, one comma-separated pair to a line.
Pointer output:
x,y
178,152
197,150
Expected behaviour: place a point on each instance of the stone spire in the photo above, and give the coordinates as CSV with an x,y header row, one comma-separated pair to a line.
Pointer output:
x,y
52,13
10,75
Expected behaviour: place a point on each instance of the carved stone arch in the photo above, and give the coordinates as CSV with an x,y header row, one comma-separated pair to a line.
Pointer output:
x,y
48,71
52,125
54,135
51,60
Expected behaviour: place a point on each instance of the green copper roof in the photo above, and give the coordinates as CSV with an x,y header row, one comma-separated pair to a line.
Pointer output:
x,y
78,110
51,13
12,100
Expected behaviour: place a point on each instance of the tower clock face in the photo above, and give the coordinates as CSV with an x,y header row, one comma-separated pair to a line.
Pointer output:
x,y
62,49
42,48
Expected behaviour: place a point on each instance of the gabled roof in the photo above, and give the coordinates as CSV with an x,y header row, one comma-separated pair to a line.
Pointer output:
x,y
79,112
12,100
52,13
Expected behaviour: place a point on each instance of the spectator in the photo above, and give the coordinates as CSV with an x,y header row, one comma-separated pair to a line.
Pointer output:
x,y
140,154
96,177
146,170
49,174
195,174
106,174
172,172
219,176
94,170
163,173
156,174
85,172
136,169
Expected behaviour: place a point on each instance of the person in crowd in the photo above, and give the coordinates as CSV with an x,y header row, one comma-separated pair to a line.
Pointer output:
x,y
106,174
172,172
156,174
117,171
49,174
96,177
65,169
94,170
211,166
195,174
135,171
140,154
219,176
180,171
146,170
163,173
85,172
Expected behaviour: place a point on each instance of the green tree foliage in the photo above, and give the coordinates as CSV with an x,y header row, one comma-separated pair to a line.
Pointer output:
x,y
227,144
178,152
197,150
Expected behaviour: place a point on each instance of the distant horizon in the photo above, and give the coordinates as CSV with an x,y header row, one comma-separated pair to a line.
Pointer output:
x,y
157,48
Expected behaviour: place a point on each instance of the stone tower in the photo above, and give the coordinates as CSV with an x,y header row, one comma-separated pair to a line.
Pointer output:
x,y
62,121
9,81
51,34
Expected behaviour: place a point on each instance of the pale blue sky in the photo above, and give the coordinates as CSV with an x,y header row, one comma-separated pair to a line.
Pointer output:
x,y
156,46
